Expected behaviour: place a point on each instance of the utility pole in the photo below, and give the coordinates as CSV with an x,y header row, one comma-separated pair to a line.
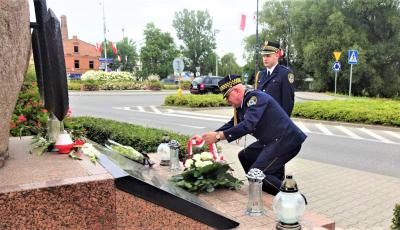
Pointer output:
x,y
105,38
256,46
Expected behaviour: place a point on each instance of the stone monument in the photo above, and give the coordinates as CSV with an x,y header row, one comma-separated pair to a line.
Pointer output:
x,y
15,48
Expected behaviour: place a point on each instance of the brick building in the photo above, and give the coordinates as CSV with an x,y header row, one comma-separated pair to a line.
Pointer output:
x,y
80,56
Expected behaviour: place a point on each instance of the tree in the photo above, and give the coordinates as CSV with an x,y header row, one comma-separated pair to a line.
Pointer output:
x,y
229,65
195,29
314,29
158,52
127,52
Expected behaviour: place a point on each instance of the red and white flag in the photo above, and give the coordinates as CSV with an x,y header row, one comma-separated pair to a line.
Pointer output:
x,y
99,49
114,47
119,58
126,58
243,22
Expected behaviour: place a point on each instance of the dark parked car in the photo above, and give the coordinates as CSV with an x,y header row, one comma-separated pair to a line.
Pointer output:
x,y
167,81
205,84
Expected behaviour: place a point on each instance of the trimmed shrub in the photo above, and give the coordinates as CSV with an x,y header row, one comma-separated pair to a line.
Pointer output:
x,y
90,85
107,76
396,218
143,139
122,85
194,101
74,85
364,110
152,85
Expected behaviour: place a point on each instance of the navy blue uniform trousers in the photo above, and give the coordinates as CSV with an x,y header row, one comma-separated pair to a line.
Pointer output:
x,y
272,164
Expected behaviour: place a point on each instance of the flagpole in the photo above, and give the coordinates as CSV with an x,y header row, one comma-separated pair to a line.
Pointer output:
x,y
105,39
256,46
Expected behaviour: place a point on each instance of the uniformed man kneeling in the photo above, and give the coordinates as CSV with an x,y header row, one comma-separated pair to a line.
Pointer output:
x,y
258,114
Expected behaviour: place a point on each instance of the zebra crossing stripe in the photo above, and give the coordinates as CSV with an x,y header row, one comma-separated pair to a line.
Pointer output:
x,y
348,132
302,126
369,132
323,129
126,108
155,109
140,108
393,134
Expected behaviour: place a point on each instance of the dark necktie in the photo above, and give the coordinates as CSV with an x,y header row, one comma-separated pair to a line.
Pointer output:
x,y
268,75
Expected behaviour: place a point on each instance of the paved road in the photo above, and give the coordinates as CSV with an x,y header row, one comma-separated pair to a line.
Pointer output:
x,y
368,149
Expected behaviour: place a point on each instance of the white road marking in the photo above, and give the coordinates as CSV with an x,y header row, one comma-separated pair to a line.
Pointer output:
x,y
155,109
348,132
393,134
302,126
191,126
369,132
140,108
323,129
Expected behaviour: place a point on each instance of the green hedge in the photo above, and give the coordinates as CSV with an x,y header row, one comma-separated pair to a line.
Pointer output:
x,y
74,85
190,100
364,110
143,139
396,218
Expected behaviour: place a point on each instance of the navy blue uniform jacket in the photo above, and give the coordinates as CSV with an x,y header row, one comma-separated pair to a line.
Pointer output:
x,y
278,86
262,117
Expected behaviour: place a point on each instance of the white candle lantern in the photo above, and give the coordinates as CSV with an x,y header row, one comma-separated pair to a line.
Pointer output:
x,y
289,205
163,151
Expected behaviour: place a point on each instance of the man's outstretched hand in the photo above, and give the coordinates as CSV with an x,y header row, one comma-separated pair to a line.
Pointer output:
x,y
210,137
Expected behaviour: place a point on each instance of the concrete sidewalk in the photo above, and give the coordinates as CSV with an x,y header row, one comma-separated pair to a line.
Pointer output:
x,y
354,199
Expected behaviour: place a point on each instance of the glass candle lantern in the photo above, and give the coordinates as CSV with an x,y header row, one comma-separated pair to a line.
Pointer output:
x,y
174,155
289,205
163,151
255,202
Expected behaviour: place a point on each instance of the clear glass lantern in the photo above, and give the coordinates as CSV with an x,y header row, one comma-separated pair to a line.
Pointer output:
x,y
174,156
163,151
289,205
255,202
53,128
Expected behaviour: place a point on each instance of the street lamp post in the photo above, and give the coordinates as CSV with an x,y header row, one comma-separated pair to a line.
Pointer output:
x,y
256,46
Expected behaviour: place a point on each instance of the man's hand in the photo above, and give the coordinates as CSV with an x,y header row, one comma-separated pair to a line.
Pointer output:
x,y
210,137
197,138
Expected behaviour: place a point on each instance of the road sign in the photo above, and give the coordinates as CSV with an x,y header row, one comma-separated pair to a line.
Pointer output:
x,y
108,60
337,55
178,65
353,57
336,66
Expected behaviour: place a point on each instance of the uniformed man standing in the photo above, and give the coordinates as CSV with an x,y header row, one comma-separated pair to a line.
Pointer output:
x,y
260,115
276,80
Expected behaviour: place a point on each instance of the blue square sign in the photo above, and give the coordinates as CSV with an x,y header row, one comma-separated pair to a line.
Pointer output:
x,y
353,57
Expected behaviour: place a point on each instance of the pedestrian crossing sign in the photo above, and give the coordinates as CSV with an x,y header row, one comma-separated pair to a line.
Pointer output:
x,y
353,57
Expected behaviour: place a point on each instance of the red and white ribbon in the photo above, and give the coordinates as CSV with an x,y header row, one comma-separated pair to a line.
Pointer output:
x,y
213,148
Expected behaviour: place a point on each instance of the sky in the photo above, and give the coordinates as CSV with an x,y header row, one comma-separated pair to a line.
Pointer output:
x,y
85,19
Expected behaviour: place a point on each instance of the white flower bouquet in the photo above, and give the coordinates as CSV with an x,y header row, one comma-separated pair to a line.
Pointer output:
x,y
203,173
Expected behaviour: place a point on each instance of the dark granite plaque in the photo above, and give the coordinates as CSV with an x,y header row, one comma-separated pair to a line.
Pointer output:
x,y
144,182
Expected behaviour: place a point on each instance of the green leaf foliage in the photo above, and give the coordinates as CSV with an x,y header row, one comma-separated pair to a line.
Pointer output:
x,y
143,139
195,101
195,29
363,110
158,52
207,178
396,218
311,30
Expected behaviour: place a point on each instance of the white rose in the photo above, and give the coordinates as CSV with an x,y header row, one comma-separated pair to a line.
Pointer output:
x,y
196,157
188,163
206,156
207,163
198,164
